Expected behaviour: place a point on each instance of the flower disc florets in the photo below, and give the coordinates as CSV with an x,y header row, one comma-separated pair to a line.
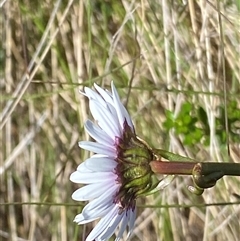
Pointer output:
x,y
133,169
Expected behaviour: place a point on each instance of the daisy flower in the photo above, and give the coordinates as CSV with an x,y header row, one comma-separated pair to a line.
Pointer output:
x,y
117,174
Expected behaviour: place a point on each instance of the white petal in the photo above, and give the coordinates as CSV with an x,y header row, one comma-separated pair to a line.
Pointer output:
x,y
103,164
98,156
98,148
99,214
102,224
83,169
109,231
123,226
87,178
92,95
100,204
107,120
79,219
98,134
132,219
121,110
113,112
105,95
91,191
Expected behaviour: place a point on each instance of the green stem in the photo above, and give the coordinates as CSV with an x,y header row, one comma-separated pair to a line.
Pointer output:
x,y
228,169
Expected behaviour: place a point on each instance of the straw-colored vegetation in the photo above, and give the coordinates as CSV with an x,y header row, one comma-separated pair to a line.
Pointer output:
x,y
176,66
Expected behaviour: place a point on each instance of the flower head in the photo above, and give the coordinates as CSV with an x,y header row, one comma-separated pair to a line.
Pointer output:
x,y
117,173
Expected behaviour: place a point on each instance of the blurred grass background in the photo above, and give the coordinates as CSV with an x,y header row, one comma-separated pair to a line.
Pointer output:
x,y
176,67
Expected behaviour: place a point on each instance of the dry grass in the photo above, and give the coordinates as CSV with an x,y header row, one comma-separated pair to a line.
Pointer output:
x,y
160,54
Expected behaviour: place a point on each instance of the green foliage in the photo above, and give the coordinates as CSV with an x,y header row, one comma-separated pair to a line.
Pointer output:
x,y
192,123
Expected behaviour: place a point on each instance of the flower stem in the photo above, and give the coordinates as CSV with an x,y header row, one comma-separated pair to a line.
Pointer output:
x,y
180,165
205,174
172,168
186,168
228,169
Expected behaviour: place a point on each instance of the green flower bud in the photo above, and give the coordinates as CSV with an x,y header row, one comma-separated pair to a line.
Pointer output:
x,y
133,169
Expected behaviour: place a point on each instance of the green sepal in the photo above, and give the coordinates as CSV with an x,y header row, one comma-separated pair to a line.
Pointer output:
x,y
171,156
